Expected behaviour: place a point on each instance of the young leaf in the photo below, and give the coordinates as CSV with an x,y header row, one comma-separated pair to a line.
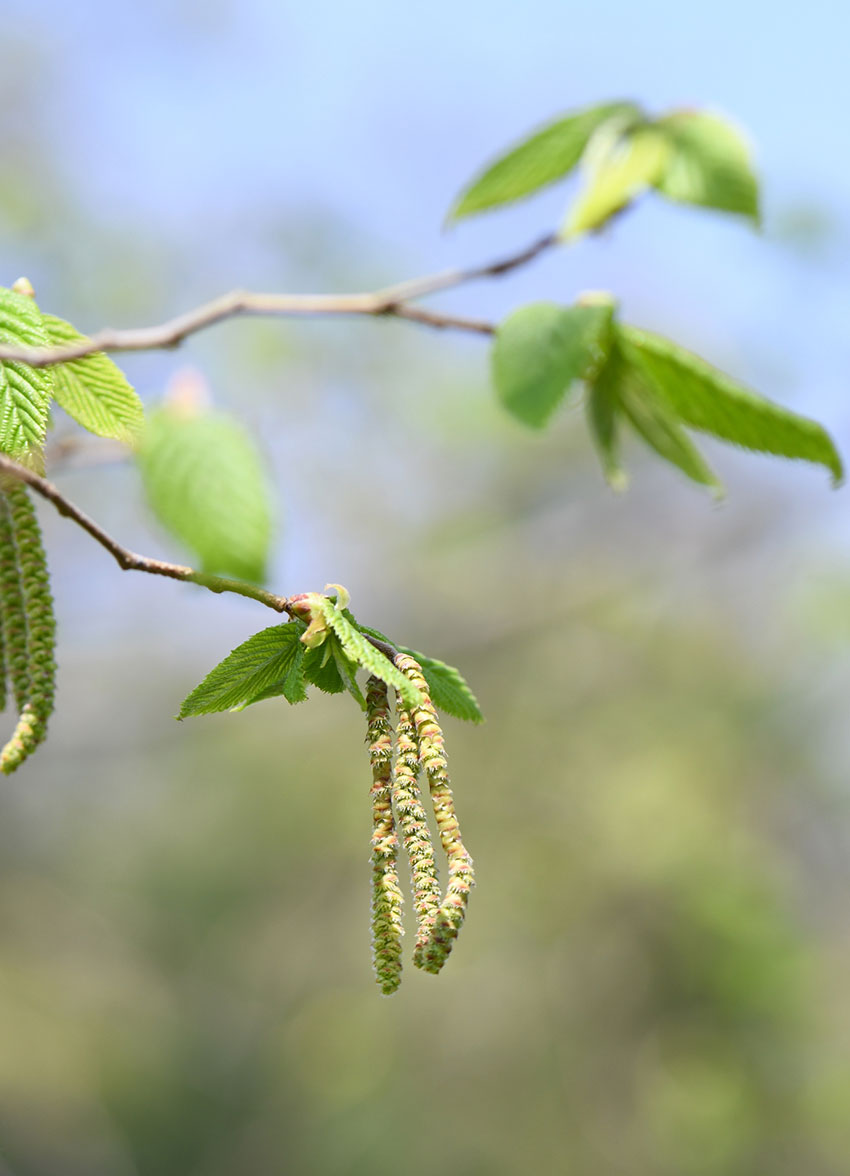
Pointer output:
x,y
25,391
447,686
325,619
705,399
619,166
205,483
360,650
266,665
540,350
603,408
448,689
709,164
653,419
545,157
93,390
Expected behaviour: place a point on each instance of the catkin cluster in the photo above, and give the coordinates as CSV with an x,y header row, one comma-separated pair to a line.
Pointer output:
x,y
27,623
397,801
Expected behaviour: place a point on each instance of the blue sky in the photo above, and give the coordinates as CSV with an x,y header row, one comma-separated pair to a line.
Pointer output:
x,y
200,117
211,121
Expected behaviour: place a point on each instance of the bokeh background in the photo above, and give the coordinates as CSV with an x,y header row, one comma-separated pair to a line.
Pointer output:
x,y
653,978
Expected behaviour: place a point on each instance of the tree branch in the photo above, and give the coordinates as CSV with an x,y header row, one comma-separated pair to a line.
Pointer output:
x,y
128,560
392,302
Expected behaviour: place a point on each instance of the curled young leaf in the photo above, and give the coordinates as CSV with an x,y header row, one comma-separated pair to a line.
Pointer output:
x,y
321,614
620,163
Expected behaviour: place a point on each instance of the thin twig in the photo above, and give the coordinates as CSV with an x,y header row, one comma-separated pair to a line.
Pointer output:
x,y
128,560
392,302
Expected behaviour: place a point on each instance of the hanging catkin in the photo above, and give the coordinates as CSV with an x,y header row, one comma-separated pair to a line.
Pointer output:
x,y
12,608
387,927
28,623
414,824
432,953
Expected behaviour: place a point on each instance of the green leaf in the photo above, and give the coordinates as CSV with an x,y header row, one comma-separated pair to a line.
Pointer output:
x,y
541,350
204,480
548,155
655,422
266,665
321,669
359,649
709,164
618,167
703,398
347,669
448,689
25,391
602,407
93,390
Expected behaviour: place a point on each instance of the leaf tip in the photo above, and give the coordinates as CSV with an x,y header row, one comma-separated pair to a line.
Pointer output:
x,y
618,480
24,286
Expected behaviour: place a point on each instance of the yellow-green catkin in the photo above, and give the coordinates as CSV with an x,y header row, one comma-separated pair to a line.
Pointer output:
x,y
36,692
3,681
431,954
387,926
12,610
414,824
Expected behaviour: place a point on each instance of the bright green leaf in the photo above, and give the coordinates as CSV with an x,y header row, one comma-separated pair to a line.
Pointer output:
x,y
541,350
547,156
709,164
266,665
25,391
603,408
618,165
93,390
205,482
704,398
448,689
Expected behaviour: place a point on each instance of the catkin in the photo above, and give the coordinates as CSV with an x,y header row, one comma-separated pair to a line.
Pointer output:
x,y
432,952
3,682
12,609
414,824
29,624
387,926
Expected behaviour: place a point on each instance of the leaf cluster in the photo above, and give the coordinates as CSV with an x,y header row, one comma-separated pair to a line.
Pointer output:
x,y
92,390
283,660
689,156
636,380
